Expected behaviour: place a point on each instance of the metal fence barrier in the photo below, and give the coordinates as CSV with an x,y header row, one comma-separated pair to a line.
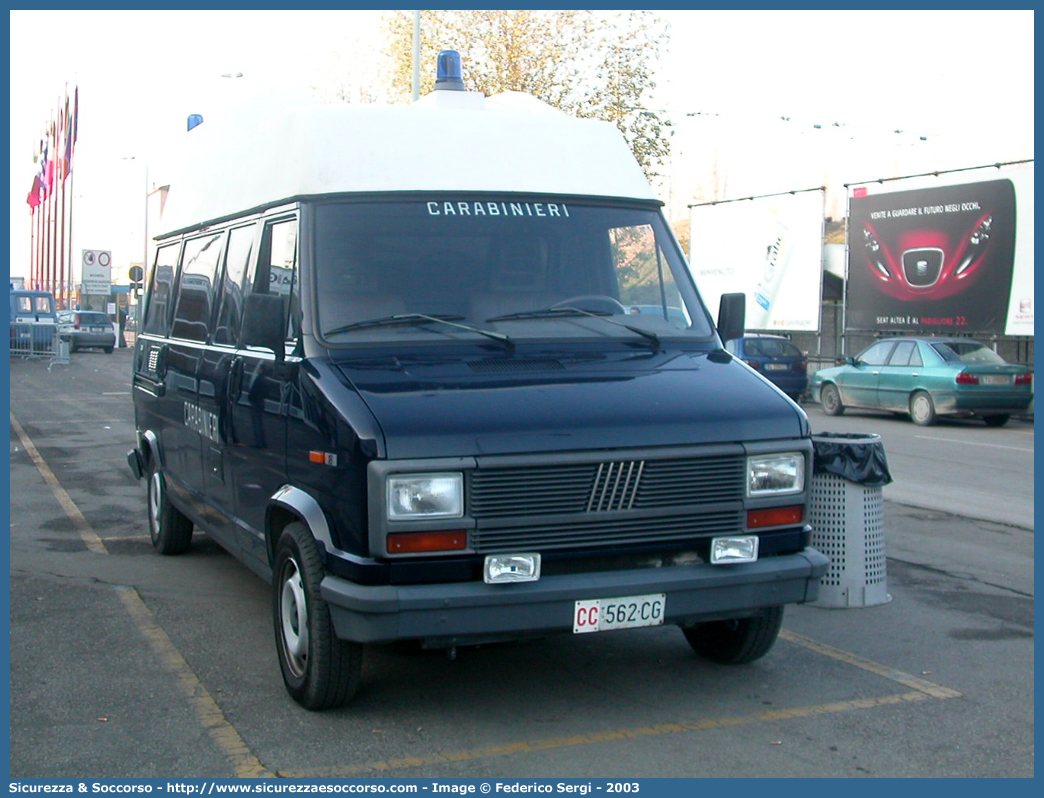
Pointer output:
x,y
38,341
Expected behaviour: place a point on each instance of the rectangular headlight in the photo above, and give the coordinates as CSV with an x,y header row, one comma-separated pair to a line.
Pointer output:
x,y
775,474
733,550
500,568
419,496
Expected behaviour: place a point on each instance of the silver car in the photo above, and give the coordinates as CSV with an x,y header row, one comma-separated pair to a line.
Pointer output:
x,y
85,329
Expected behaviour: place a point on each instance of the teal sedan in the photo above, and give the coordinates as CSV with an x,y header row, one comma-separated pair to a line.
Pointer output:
x,y
927,378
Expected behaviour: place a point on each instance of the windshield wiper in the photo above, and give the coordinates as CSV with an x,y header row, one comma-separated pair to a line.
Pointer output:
x,y
422,318
553,313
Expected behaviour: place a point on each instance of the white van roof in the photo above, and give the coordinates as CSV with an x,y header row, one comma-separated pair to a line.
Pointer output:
x,y
258,155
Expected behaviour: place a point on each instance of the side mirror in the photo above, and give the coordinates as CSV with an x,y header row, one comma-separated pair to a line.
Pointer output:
x,y
264,325
732,316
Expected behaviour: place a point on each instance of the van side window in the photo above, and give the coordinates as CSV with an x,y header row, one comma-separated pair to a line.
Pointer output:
x,y
276,270
196,288
157,313
230,314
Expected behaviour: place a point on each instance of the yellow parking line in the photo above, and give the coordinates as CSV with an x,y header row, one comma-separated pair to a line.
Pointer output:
x,y
224,735
80,524
923,690
905,679
410,763
244,764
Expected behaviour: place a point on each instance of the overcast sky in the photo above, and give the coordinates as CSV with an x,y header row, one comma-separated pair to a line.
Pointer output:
x,y
960,75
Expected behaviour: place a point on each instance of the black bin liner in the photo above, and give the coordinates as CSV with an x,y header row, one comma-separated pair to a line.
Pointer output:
x,y
859,458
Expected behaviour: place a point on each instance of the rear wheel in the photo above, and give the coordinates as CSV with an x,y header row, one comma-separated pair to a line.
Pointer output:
x,y
738,641
320,670
922,409
998,420
831,399
169,529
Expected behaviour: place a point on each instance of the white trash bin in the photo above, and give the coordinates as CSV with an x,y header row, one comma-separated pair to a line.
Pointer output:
x,y
847,519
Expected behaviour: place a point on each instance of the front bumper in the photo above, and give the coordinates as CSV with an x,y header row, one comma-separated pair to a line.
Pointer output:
x,y
461,611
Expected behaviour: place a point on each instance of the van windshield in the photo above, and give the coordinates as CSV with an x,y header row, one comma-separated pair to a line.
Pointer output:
x,y
437,268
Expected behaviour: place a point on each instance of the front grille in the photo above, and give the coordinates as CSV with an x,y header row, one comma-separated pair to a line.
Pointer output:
x,y
609,503
605,487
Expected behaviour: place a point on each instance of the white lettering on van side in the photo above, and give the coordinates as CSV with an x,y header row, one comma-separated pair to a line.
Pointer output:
x,y
202,421
544,209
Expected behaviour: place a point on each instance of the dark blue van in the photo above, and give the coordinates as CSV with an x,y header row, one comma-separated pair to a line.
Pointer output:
x,y
387,360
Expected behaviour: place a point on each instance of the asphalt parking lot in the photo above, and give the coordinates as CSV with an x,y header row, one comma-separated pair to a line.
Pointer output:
x,y
127,664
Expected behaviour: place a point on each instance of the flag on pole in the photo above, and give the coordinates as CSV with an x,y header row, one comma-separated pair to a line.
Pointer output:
x,y
43,165
66,141
35,193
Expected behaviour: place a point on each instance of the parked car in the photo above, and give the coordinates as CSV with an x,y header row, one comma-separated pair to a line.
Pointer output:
x,y
927,378
779,360
85,329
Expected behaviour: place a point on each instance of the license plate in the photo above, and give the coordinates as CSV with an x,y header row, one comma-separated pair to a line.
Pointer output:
x,y
628,612
995,379
775,367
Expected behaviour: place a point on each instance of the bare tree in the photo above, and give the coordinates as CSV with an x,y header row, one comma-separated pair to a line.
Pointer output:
x,y
587,63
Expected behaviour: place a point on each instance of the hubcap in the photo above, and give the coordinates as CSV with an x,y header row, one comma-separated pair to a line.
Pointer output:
x,y
920,408
293,617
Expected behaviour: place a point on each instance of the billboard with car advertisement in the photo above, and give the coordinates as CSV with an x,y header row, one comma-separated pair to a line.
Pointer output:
x,y
943,254
769,248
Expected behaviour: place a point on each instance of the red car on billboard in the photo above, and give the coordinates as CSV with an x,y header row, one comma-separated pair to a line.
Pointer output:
x,y
915,255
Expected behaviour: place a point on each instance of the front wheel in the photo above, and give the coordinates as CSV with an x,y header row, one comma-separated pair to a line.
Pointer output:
x,y
922,409
736,642
169,529
320,670
998,420
831,399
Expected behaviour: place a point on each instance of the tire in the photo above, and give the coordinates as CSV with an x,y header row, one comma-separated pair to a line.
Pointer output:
x,y
830,398
320,670
922,409
108,350
998,420
170,531
736,642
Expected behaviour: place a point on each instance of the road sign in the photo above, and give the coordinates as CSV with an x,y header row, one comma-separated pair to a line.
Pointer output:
x,y
97,272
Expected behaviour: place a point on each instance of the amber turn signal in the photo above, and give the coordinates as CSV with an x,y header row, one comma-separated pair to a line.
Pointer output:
x,y
775,516
414,542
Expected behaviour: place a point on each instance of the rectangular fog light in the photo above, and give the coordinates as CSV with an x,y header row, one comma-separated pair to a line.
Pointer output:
x,y
730,550
501,568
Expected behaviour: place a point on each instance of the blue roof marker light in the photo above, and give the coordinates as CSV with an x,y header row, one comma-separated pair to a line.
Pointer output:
x,y
449,77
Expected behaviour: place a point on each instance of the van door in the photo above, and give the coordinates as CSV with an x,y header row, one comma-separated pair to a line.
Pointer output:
x,y
261,385
187,441
153,410
220,378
